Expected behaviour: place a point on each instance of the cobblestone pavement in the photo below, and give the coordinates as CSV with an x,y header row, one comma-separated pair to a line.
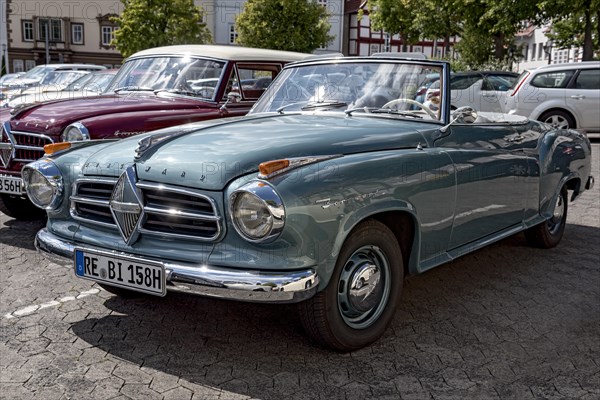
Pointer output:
x,y
508,321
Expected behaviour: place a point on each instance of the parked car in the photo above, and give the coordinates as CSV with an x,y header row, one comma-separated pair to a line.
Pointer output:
x,y
153,89
52,83
482,90
563,95
320,196
8,77
36,76
89,84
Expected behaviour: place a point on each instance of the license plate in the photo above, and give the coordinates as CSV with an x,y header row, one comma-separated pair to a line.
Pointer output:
x,y
124,272
11,185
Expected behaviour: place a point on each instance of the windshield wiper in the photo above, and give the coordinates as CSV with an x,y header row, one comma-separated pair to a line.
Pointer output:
x,y
177,91
133,89
319,104
395,112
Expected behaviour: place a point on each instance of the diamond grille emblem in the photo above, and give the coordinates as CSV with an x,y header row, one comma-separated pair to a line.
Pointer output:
x,y
126,205
7,146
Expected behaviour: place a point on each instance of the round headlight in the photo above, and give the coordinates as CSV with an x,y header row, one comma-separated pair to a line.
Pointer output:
x,y
75,132
257,212
39,190
43,184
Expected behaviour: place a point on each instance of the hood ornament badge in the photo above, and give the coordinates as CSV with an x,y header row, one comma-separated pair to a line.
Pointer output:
x,y
150,142
126,205
7,149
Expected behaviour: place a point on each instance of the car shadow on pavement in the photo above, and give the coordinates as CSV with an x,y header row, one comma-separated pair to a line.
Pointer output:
x,y
504,306
19,233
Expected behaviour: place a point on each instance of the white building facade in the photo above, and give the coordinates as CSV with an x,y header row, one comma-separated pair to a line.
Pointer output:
x,y
41,32
538,49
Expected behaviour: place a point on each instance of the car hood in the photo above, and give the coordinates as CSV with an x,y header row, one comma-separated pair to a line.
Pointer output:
x,y
209,154
63,112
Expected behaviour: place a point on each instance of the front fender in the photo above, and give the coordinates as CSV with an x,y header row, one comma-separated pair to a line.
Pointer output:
x,y
325,201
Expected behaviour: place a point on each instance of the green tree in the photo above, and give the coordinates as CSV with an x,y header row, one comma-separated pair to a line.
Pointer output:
x,y
439,19
396,17
293,25
575,23
151,23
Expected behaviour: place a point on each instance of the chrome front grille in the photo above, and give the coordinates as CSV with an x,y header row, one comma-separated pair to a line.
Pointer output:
x,y
29,146
167,211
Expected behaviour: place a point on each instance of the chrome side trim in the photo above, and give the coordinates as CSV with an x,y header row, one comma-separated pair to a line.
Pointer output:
x,y
204,280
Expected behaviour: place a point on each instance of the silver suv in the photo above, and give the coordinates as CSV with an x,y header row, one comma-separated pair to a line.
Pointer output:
x,y
563,95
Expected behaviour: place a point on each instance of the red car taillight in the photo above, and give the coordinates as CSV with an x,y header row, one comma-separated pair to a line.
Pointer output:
x,y
519,84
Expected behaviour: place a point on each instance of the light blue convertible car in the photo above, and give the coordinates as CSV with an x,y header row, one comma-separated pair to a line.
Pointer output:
x,y
336,186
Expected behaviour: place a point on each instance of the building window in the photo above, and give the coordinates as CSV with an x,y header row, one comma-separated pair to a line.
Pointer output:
x,y
27,31
322,2
541,52
533,51
54,28
77,33
232,34
108,33
17,66
29,64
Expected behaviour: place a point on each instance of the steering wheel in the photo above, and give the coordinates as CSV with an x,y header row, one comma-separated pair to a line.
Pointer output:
x,y
428,110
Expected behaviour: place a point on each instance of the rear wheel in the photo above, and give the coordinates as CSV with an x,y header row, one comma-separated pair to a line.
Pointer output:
x,y
549,233
20,208
359,302
558,119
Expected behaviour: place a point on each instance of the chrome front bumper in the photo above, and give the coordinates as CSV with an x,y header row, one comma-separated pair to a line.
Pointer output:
x,y
204,280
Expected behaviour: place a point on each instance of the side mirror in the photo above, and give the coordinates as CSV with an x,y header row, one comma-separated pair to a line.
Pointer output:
x,y
464,115
234,97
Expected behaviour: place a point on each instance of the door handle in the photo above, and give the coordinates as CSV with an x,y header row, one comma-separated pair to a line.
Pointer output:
x,y
578,97
517,138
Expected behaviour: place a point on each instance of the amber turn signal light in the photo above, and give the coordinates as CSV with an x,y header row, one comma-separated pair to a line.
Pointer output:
x,y
268,167
50,149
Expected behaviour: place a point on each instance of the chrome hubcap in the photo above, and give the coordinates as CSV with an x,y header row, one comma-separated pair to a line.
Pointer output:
x,y
364,287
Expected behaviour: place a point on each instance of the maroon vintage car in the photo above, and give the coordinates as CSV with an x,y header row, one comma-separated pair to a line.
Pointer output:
x,y
154,89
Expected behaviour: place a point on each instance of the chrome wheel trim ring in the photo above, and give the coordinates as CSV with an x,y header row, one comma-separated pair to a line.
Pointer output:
x,y
364,287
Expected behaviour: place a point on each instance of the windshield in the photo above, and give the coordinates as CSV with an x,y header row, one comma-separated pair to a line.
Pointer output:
x,y
96,82
185,75
62,77
389,87
37,72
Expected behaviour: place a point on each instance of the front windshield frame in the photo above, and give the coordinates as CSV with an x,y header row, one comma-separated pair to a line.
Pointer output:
x,y
171,74
387,78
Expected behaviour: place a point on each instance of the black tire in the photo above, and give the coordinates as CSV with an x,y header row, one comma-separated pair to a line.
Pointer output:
x,y
20,208
343,318
558,119
549,233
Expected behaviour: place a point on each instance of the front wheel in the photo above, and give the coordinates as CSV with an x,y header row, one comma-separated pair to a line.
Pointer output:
x,y
20,208
360,299
549,233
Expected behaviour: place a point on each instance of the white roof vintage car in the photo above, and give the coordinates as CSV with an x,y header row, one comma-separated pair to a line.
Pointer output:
x,y
234,53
